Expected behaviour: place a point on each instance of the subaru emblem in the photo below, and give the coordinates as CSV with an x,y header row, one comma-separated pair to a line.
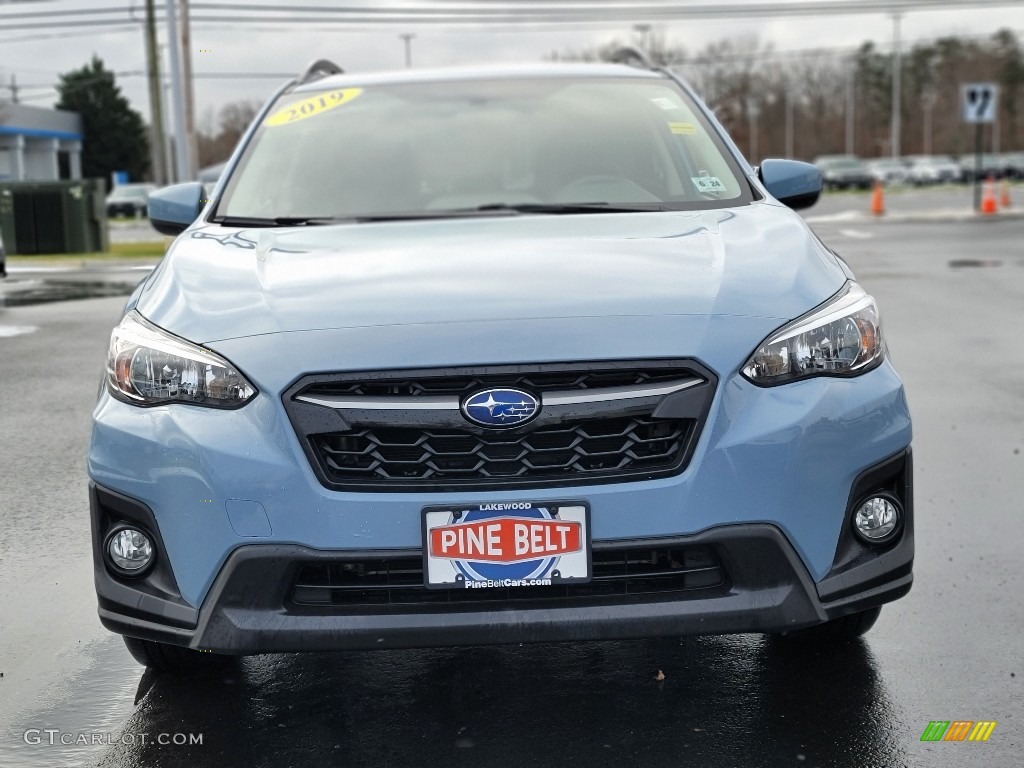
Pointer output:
x,y
500,407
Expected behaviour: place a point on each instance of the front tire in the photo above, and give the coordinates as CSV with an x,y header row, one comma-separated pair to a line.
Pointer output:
x,y
838,630
172,658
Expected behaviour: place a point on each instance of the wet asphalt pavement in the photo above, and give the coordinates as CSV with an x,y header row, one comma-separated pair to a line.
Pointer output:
x,y
31,284
951,650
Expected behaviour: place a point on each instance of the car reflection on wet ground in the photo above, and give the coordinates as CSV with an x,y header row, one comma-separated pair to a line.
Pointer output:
x,y
24,292
722,701
28,284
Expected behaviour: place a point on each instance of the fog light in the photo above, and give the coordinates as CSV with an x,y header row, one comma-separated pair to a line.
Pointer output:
x,y
130,550
877,519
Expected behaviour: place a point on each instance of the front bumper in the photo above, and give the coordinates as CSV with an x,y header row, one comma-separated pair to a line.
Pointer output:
x,y
768,589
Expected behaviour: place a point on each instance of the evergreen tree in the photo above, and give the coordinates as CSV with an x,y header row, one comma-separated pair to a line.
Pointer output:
x,y
114,135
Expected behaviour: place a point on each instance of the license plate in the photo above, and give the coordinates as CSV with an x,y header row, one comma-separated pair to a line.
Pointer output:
x,y
510,544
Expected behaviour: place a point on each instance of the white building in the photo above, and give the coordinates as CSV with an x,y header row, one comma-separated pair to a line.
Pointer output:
x,y
32,141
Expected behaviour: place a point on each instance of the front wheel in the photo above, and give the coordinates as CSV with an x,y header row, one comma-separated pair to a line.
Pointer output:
x,y
174,658
837,630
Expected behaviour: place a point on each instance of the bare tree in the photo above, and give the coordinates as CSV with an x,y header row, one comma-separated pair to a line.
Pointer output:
x,y
217,143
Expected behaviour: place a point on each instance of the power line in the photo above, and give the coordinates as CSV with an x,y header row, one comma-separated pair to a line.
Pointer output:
x,y
69,12
62,35
62,24
535,8
529,12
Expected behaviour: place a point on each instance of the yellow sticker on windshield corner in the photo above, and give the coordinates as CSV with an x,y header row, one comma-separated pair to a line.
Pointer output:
x,y
314,105
683,129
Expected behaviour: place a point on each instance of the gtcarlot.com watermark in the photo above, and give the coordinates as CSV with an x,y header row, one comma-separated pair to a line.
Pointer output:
x,y
54,736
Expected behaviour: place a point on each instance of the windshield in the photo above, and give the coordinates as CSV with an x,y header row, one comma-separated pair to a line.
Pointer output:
x,y
444,146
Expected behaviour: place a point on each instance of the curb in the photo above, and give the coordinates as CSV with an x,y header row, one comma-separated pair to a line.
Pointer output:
x,y
921,217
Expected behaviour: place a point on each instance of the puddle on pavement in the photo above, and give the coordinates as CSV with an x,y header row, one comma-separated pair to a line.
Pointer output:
x,y
83,714
20,293
973,263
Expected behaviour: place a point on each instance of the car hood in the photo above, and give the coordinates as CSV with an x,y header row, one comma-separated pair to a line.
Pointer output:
x,y
220,283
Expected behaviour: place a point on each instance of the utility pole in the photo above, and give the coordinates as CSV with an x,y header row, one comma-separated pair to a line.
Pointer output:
x,y
190,101
408,37
156,116
753,111
927,104
645,37
180,136
896,102
168,130
789,122
14,89
850,108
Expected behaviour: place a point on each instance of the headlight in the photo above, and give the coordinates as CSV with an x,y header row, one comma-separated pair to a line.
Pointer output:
x,y
148,366
841,338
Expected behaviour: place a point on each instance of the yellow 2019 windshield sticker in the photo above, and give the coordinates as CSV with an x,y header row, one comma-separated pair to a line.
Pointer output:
x,y
314,105
683,129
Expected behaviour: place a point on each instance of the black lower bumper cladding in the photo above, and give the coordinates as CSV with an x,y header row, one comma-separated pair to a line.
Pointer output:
x,y
250,607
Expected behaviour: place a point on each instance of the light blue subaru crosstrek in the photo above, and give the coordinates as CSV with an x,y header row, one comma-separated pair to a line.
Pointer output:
x,y
494,355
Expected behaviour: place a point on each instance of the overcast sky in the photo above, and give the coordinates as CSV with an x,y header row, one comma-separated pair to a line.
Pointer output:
x,y
36,56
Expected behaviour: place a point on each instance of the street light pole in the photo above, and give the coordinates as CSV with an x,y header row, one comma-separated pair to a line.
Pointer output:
x,y
645,41
928,103
753,111
180,136
789,122
191,143
850,106
896,104
408,37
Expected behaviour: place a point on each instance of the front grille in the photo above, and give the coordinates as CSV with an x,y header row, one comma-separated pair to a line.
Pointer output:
x,y
403,430
558,452
643,573
537,381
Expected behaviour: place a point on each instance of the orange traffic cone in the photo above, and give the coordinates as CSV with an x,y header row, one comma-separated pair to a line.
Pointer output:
x,y
877,200
1004,194
988,200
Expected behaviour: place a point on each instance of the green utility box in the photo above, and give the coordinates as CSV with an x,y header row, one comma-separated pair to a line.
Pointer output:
x,y
53,216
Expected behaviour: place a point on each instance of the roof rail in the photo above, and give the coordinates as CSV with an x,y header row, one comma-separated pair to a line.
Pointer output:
x,y
627,54
319,68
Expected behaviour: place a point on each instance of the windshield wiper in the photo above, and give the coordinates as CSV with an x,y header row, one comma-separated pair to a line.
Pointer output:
x,y
512,209
490,209
570,208
280,221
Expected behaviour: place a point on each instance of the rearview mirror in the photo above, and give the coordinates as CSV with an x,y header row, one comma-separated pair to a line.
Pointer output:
x,y
791,182
173,209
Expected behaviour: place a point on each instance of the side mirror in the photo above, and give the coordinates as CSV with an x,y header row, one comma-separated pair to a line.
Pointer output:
x,y
791,182
173,209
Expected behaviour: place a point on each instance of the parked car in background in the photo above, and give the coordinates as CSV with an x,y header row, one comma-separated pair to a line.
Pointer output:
x,y
933,169
1011,165
129,199
990,166
844,172
888,170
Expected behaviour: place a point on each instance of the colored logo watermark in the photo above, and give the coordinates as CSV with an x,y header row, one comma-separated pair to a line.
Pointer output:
x,y
958,730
